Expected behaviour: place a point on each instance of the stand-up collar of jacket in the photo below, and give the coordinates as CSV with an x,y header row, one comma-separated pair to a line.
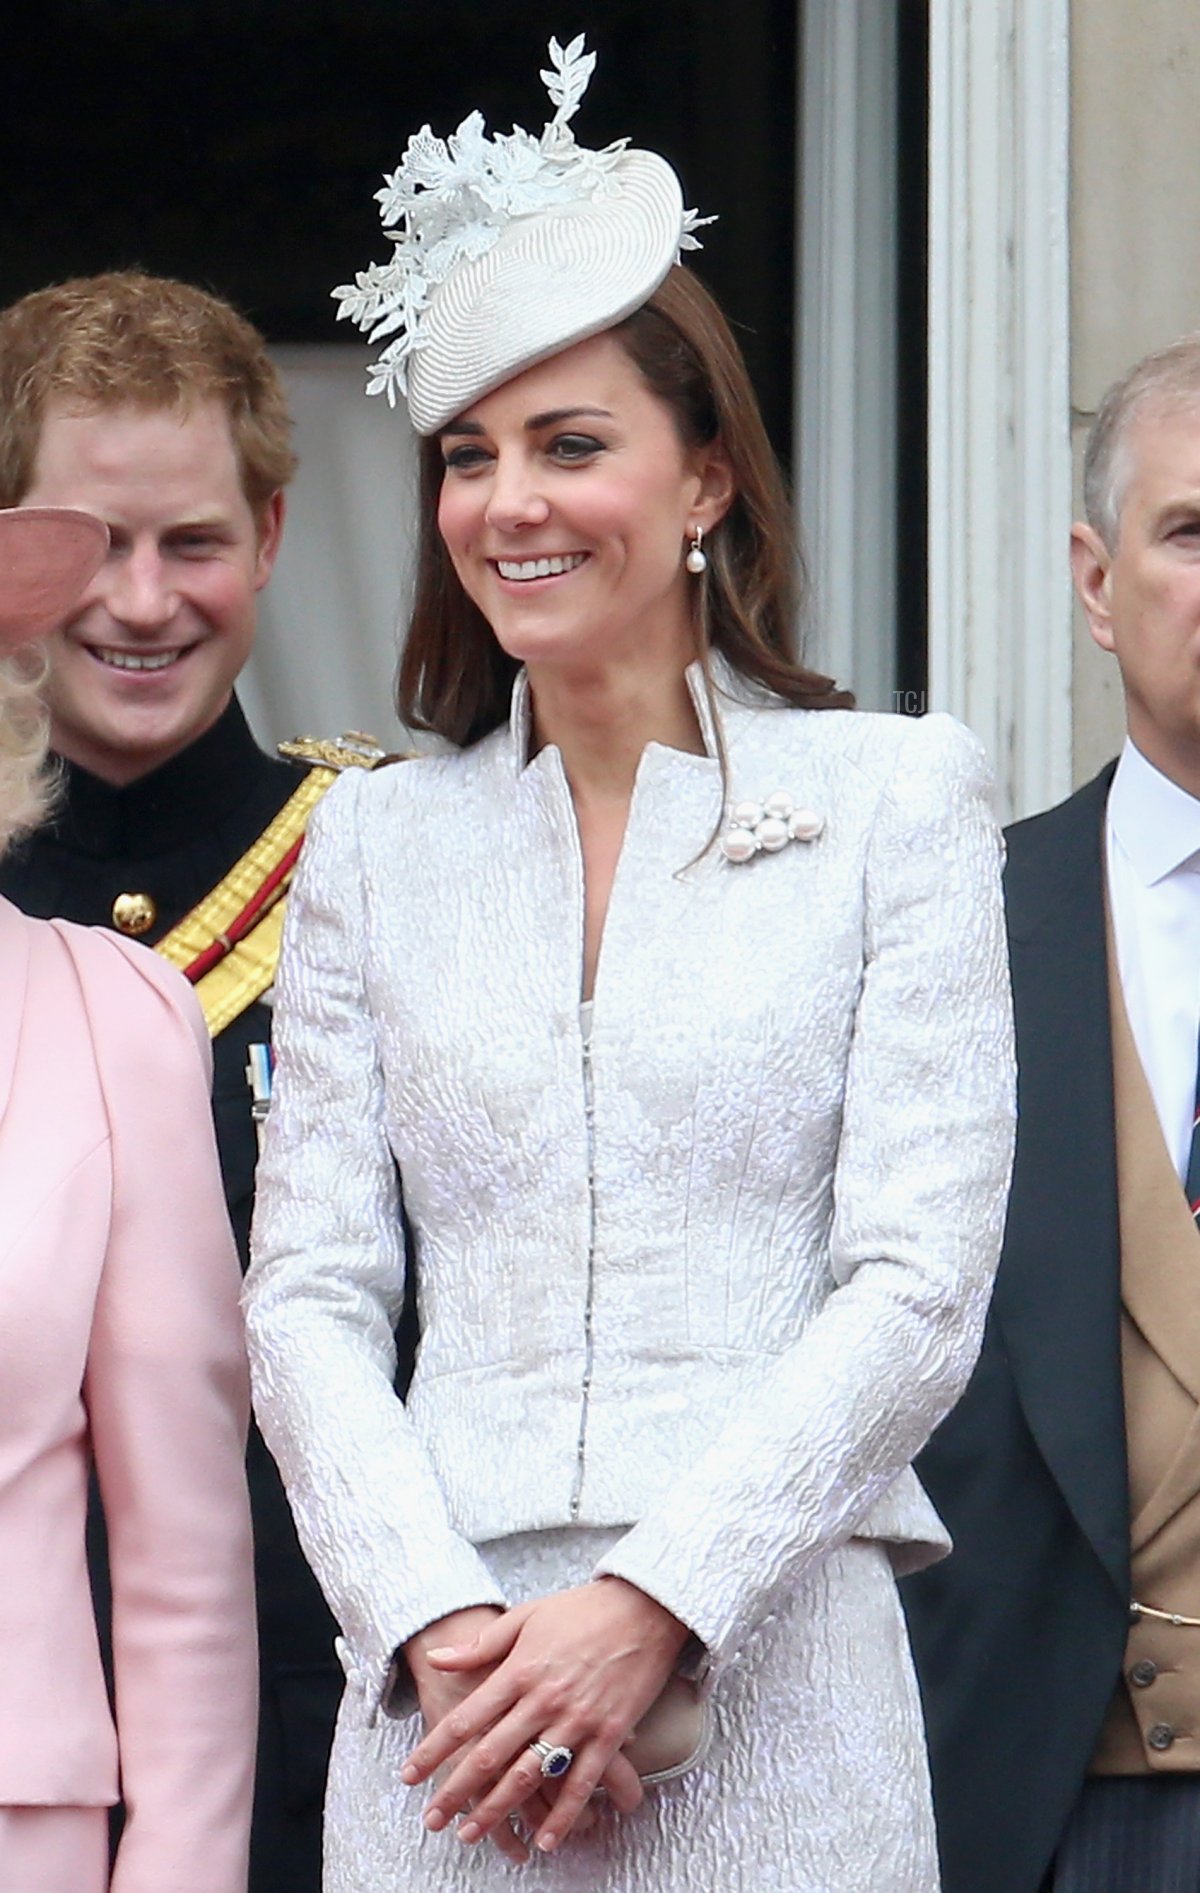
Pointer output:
x,y
727,683
166,808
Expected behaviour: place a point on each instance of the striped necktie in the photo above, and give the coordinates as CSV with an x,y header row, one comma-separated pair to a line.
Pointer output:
x,y
1191,1181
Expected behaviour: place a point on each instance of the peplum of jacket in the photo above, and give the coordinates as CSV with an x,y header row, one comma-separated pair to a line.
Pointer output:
x,y
715,1281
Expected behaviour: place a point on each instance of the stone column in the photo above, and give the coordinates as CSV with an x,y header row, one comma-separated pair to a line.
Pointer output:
x,y
1135,244
999,444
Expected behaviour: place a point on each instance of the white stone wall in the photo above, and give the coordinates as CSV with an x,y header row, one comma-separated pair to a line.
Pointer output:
x,y
1135,244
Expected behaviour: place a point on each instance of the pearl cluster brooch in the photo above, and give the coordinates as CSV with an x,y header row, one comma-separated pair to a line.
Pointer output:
x,y
766,827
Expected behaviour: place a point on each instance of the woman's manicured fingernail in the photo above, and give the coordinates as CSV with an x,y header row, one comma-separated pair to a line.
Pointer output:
x,y
547,1842
410,1775
435,1820
439,1655
469,1831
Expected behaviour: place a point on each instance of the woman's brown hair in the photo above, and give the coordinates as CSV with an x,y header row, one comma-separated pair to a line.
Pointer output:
x,y
455,679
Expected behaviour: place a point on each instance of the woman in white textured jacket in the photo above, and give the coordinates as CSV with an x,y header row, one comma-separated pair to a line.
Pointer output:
x,y
674,1001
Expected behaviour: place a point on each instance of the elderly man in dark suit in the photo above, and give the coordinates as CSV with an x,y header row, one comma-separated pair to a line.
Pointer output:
x,y
1059,1648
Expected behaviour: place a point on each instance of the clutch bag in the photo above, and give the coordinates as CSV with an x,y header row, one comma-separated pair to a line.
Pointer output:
x,y
674,1733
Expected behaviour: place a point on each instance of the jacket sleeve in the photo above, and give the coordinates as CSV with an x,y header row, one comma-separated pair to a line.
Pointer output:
x,y
326,1285
167,1397
919,1194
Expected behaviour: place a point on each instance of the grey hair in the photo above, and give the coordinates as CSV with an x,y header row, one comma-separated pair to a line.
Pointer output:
x,y
1168,379
26,783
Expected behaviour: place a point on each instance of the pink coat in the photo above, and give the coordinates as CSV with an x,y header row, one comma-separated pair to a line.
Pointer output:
x,y
120,1343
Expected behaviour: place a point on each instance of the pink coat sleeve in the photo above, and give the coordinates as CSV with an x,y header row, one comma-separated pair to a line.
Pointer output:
x,y
167,1397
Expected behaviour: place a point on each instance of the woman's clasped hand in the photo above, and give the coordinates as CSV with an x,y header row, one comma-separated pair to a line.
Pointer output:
x,y
576,1670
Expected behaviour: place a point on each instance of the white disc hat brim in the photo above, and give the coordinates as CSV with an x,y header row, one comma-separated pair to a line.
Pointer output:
x,y
48,557
553,279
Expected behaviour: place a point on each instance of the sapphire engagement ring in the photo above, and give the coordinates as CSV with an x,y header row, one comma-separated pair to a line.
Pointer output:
x,y
555,1759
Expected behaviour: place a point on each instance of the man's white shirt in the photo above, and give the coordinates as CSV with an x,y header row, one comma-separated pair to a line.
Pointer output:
x,y
1152,853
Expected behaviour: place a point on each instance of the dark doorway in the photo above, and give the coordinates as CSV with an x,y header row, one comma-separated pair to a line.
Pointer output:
x,y
238,142
912,329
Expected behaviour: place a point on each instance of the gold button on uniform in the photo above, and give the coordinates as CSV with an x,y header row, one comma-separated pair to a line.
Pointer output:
x,y
134,913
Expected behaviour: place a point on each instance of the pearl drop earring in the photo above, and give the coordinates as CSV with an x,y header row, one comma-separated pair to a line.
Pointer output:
x,y
697,558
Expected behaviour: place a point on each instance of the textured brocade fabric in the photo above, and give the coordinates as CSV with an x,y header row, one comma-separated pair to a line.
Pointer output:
x,y
732,1340
815,1781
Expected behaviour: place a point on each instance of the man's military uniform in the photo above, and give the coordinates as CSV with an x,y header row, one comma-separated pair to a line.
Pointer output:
x,y
194,859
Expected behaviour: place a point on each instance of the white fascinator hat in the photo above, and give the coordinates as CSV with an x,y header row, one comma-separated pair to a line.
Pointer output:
x,y
48,557
508,249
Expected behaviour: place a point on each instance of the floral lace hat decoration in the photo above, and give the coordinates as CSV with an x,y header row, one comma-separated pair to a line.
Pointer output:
x,y
507,249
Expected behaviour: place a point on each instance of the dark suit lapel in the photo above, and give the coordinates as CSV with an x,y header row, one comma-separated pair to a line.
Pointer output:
x,y
1058,1291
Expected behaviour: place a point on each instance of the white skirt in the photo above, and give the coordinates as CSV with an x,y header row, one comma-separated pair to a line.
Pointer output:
x,y
816,1780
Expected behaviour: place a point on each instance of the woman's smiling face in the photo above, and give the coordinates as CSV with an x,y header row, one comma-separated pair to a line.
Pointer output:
x,y
566,506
